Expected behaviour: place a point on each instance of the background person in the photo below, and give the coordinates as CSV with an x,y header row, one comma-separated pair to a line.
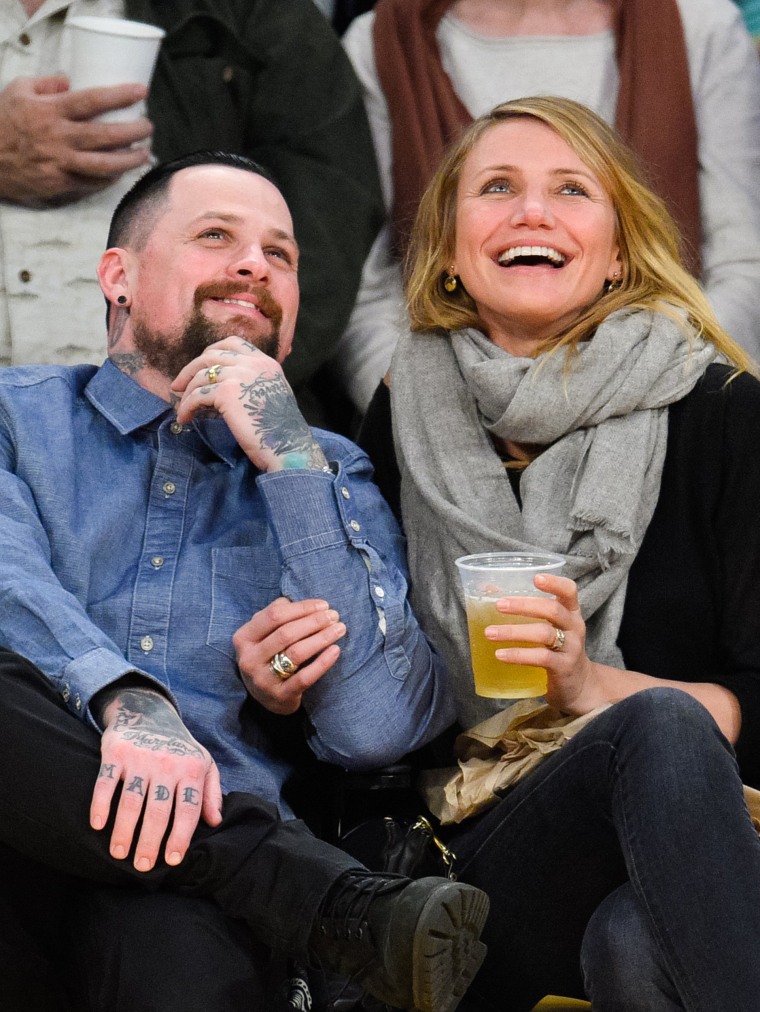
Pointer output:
x,y
565,389
680,80
270,81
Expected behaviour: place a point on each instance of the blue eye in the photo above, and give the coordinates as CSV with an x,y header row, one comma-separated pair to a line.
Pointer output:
x,y
574,189
496,186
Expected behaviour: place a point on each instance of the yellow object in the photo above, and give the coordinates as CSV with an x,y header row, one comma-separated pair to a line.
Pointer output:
x,y
560,1004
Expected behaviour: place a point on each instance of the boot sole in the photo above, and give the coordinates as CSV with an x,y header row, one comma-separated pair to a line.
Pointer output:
x,y
447,951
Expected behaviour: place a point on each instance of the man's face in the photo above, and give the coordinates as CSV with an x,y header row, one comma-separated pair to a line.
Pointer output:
x,y
220,261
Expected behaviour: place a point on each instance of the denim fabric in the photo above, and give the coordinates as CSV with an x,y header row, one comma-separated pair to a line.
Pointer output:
x,y
622,966
646,797
129,543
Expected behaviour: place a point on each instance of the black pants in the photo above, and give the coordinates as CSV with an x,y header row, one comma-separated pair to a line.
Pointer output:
x,y
247,887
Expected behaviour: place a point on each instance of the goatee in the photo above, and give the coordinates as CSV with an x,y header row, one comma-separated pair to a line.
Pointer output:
x,y
170,353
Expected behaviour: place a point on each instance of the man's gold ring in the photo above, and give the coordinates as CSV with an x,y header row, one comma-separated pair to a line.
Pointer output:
x,y
212,373
559,640
282,666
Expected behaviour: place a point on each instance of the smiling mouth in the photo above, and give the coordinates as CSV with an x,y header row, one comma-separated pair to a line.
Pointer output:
x,y
532,256
246,303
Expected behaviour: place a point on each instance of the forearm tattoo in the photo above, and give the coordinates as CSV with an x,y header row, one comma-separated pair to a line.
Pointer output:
x,y
279,424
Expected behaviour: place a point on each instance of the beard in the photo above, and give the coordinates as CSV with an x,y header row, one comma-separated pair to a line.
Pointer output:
x,y
169,352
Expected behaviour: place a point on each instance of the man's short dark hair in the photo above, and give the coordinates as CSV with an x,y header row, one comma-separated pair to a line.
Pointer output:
x,y
135,214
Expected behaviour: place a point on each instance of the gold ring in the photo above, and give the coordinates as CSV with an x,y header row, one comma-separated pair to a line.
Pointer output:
x,y
282,666
212,373
559,639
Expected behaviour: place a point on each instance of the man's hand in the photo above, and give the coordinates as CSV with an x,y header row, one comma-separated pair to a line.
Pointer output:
x,y
250,392
307,631
146,746
53,151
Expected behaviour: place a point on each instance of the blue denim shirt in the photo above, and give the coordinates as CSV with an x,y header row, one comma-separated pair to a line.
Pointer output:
x,y
131,543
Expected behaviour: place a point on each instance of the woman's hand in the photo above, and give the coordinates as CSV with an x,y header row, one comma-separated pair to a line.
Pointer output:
x,y
574,682
306,631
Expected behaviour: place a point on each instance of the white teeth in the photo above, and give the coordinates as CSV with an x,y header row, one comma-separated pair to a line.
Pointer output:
x,y
240,302
532,251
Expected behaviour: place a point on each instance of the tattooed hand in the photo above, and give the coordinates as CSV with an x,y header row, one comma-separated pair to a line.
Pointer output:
x,y
165,774
252,395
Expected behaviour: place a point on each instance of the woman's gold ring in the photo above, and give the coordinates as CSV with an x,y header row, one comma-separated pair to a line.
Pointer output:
x,y
212,373
282,666
559,640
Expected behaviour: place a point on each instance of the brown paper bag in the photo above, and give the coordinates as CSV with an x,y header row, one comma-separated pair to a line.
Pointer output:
x,y
500,751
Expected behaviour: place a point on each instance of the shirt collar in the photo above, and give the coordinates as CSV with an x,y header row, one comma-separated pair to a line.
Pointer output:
x,y
129,407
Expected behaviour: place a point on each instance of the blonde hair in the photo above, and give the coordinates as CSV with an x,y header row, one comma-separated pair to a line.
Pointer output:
x,y
653,275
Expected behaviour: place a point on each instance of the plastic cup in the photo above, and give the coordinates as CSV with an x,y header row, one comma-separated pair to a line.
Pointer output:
x,y
108,51
485,579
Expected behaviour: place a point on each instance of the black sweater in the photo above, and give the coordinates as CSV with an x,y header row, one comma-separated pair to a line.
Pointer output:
x,y
692,607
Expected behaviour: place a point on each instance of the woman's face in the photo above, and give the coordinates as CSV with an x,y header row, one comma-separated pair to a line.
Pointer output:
x,y
535,234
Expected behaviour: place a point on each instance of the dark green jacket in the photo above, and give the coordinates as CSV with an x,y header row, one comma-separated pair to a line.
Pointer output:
x,y
269,79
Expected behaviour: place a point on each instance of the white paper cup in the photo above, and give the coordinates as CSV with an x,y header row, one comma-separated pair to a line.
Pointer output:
x,y
108,51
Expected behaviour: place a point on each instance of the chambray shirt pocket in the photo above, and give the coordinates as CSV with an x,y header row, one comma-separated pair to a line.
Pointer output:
x,y
243,580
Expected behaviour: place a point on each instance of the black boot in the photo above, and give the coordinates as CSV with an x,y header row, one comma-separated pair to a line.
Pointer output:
x,y
411,943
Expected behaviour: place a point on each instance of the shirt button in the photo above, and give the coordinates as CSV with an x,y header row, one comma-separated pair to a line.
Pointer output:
x,y
66,693
169,487
25,276
157,561
379,592
24,39
146,643
344,492
78,702
177,427
355,526
227,74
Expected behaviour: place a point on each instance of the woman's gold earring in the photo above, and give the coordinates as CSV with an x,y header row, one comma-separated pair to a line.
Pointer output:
x,y
450,284
615,281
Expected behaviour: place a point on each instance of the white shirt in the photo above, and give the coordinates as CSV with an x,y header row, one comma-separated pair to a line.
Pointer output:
x,y
51,306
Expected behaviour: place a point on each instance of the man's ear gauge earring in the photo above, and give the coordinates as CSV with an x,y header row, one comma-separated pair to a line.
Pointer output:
x,y
122,300
451,282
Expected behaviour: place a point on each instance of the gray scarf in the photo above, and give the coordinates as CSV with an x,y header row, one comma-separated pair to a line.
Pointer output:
x,y
602,416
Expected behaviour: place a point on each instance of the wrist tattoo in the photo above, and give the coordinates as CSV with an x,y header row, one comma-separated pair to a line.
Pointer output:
x,y
278,423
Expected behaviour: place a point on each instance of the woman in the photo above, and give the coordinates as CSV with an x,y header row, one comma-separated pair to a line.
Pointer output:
x,y
679,79
566,388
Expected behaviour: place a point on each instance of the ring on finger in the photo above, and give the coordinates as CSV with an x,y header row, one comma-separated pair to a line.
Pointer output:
x,y
282,666
212,373
559,640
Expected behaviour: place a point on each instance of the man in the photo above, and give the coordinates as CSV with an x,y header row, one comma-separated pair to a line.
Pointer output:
x,y
183,558
267,80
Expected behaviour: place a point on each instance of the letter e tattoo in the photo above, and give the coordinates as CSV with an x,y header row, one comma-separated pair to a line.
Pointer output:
x,y
189,795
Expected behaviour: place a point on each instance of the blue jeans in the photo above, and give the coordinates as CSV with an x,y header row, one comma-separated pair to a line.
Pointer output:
x,y
632,844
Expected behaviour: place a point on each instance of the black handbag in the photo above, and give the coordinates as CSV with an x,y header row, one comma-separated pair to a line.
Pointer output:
x,y
382,826
405,846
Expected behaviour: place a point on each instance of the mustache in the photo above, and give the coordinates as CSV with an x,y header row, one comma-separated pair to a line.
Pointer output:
x,y
266,302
